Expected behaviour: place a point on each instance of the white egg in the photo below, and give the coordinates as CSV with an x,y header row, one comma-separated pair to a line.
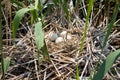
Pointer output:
x,y
59,39
63,33
53,36
69,37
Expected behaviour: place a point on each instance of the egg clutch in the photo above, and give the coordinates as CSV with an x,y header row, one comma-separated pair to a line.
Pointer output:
x,y
59,37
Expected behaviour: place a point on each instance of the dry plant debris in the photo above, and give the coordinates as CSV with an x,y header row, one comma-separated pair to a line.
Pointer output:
x,y
63,55
62,65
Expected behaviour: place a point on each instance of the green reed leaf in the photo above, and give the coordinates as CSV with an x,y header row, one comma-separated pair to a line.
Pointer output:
x,y
6,64
110,25
106,65
19,15
86,24
18,3
65,8
77,72
39,35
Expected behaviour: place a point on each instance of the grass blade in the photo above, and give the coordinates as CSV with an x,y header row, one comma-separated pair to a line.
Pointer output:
x,y
6,64
19,15
39,35
65,8
77,72
110,25
106,65
36,4
39,38
18,3
34,16
45,52
86,24
39,5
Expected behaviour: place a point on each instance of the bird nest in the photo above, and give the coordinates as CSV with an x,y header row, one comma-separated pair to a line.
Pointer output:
x,y
64,56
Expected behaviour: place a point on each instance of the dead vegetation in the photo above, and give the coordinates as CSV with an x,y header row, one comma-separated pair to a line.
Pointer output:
x,y
64,55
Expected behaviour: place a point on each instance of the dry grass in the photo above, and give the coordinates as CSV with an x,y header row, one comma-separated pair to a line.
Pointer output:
x,y
63,56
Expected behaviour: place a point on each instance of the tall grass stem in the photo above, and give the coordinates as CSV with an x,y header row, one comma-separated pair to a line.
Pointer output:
x,y
1,53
